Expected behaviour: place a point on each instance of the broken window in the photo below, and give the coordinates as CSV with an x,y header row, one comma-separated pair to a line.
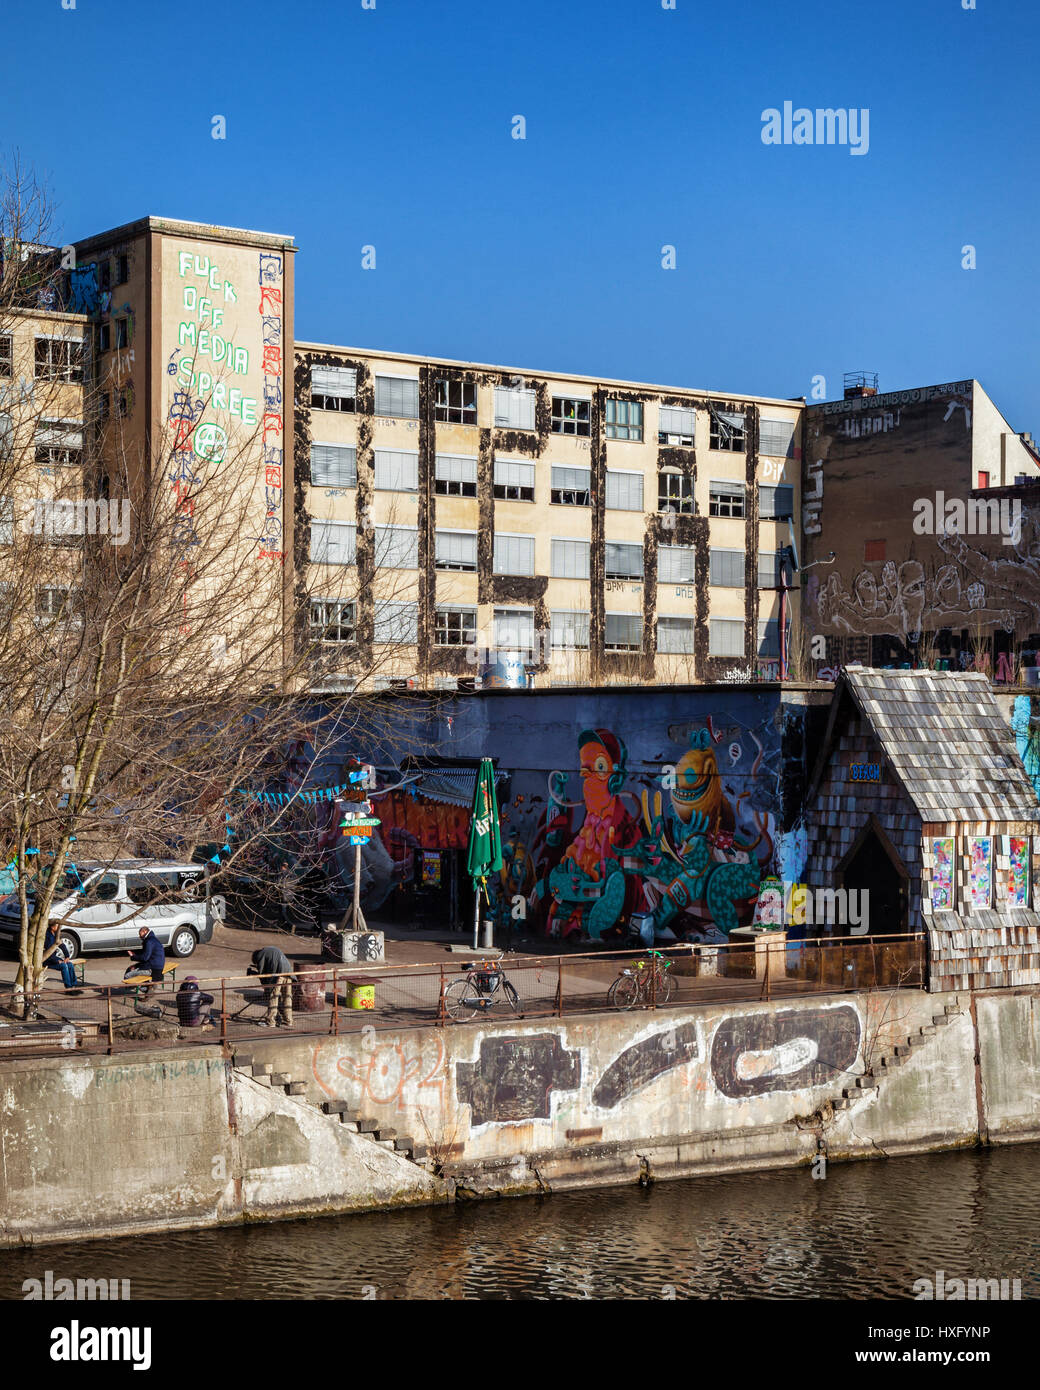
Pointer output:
x,y
727,430
333,620
122,333
623,561
514,481
570,559
675,425
623,632
454,627
455,476
333,388
674,492
6,354
333,465
59,443
624,420
104,337
726,499
571,487
59,359
456,402
456,550
571,415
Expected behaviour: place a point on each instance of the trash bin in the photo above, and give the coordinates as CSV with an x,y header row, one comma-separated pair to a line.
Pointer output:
x,y
361,994
308,989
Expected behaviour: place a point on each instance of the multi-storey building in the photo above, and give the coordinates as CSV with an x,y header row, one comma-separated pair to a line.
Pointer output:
x,y
604,531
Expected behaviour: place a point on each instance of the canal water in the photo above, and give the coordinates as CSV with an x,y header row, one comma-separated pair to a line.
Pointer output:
x,y
866,1229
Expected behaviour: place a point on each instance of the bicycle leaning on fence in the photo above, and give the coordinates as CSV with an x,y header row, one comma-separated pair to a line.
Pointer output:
x,y
480,991
643,982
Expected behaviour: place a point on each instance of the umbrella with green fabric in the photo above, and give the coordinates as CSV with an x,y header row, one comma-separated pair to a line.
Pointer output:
x,y
485,839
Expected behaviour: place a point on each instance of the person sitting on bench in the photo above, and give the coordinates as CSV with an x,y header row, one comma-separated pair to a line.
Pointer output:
x,y
151,957
55,954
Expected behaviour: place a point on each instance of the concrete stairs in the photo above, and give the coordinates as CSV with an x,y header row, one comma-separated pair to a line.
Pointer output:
x,y
886,1065
310,1093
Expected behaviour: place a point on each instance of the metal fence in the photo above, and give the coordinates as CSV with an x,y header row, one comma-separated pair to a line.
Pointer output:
x,y
330,1000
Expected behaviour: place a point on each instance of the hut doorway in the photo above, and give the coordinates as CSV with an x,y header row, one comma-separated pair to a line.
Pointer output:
x,y
873,866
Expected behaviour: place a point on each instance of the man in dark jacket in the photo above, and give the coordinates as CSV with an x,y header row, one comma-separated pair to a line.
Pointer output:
x,y
190,1000
275,971
151,957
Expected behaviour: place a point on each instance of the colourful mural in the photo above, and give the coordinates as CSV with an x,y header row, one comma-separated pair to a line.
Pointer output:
x,y
942,873
1018,873
981,870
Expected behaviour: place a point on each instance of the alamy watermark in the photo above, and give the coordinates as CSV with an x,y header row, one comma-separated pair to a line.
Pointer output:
x,y
81,516
976,516
793,125
80,1290
940,1289
796,904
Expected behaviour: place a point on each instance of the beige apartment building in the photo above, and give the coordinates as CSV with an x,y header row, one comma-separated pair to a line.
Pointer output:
x,y
605,531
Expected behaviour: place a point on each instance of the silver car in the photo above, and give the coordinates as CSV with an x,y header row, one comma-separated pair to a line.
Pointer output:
x,y
103,907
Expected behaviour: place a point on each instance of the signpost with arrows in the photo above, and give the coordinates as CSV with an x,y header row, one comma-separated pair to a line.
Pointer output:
x,y
358,823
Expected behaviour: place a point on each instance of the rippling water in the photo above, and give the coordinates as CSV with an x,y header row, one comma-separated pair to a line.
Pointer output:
x,y
868,1230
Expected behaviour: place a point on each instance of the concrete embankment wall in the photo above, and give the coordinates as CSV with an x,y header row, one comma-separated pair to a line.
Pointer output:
x,y
96,1146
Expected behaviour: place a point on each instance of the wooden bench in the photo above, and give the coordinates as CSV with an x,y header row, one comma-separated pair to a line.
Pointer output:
x,y
138,981
79,969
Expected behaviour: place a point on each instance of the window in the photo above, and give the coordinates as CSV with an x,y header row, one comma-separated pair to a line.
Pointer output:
x,y
333,620
674,492
514,482
570,559
396,622
625,491
456,550
514,554
123,399
775,502
514,408
59,442
333,465
104,405
454,627
514,629
675,636
769,639
397,470
397,547
769,569
122,327
675,564
6,354
727,568
624,561
726,499
570,415
59,359
105,274
571,487
623,632
397,397
333,388
6,438
6,521
569,631
725,637
675,425
104,337
456,402
122,269
333,543
874,552
455,476
624,420
776,438
727,431
983,480
54,601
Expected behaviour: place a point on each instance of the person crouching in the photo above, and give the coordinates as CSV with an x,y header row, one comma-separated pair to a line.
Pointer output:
x,y
275,971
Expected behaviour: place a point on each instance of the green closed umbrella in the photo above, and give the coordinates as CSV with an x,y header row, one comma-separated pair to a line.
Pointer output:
x,y
485,839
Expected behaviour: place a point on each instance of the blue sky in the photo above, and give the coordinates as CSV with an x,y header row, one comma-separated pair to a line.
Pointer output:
x,y
392,127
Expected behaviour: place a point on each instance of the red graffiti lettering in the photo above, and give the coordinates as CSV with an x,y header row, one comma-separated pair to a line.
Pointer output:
x,y
272,363
270,299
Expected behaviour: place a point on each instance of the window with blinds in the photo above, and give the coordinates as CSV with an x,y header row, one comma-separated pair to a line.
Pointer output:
x,y
514,554
455,476
725,499
333,543
725,637
514,408
397,397
456,550
514,481
768,569
625,491
333,388
775,502
514,629
776,438
623,632
675,636
333,465
570,559
571,487
397,470
397,547
769,639
569,630
675,425
623,561
675,492
624,419
396,622
727,568
675,564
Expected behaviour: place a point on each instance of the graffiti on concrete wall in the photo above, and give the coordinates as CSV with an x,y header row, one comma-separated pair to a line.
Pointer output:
x,y
515,1078
406,1075
644,1062
753,1054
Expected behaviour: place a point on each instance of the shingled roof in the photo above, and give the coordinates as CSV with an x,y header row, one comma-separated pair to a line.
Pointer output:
x,y
946,740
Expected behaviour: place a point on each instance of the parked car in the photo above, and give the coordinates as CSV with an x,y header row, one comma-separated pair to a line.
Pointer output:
x,y
103,907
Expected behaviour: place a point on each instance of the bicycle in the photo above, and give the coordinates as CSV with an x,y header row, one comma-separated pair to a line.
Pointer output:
x,y
644,982
480,991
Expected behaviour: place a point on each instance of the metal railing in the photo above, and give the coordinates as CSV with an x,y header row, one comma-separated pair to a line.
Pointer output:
x,y
333,1000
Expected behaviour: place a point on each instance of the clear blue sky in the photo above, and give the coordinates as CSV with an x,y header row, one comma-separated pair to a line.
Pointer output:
x,y
391,127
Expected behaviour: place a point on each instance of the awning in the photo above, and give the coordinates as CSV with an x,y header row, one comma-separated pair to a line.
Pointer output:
x,y
454,785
